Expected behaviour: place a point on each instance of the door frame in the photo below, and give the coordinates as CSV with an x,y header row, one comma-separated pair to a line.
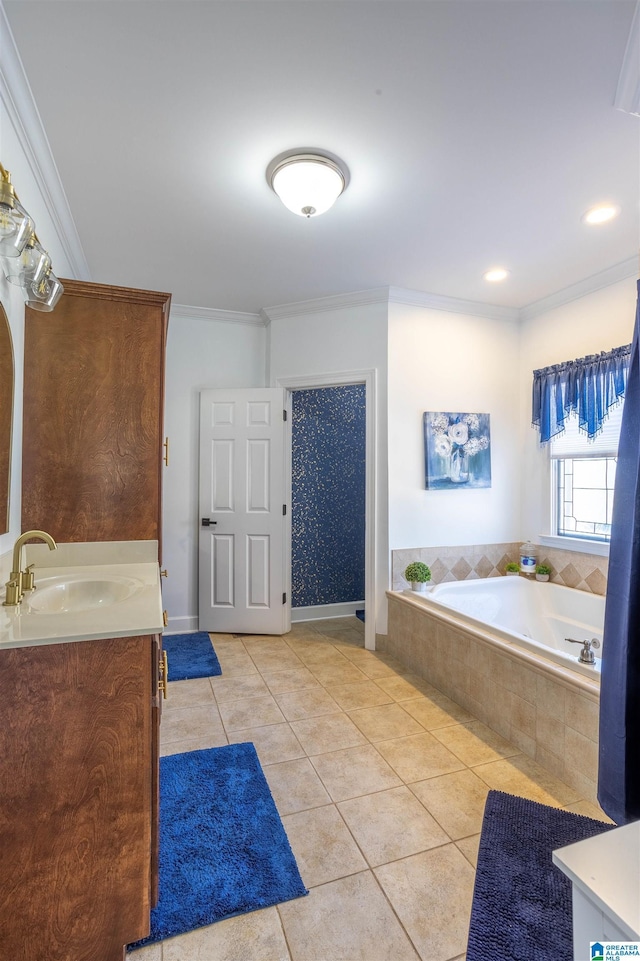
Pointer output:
x,y
367,377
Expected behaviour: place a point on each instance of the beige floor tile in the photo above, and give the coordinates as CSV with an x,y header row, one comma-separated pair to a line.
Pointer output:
x,y
295,786
469,847
390,825
431,894
233,688
345,920
404,687
327,733
354,772
236,665
456,801
418,756
215,738
311,702
257,936
284,682
375,665
269,661
152,952
336,673
274,742
521,775
186,723
320,652
589,810
250,712
323,846
188,694
385,722
359,694
437,710
475,743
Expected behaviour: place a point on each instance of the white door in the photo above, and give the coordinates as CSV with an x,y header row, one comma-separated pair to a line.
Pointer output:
x,y
244,526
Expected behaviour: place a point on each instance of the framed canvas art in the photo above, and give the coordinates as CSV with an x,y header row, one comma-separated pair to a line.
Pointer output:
x,y
457,450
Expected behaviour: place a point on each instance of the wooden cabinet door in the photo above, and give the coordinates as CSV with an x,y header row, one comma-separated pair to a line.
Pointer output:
x,y
75,806
93,414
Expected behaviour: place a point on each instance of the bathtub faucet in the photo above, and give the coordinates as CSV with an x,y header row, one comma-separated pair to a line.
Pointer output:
x,y
586,655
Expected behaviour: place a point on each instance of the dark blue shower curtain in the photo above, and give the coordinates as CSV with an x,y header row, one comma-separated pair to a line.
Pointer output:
x,y
619,769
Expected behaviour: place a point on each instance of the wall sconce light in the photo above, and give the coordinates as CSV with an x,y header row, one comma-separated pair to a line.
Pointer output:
x,y
307,181
27,264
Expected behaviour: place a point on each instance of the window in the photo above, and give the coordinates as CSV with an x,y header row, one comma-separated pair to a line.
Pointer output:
x,y
583,479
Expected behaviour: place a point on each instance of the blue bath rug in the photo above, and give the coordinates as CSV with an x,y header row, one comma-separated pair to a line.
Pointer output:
x,y
360,615
190,655
223,849
521,901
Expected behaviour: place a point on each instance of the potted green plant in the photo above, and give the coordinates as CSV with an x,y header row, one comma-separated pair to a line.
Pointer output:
x,y
417,574
512,568
542,572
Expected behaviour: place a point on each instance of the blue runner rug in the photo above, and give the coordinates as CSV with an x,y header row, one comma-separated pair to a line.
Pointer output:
x,y
190,655
223,849
521,901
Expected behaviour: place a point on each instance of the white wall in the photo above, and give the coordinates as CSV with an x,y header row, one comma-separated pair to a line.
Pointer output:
x,y
451,362
333,341
200,354
17,161
596,322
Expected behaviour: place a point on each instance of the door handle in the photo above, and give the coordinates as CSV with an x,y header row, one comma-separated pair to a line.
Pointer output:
x,y
208,523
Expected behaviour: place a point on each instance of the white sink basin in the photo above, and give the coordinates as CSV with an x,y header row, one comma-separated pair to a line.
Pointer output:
x,y
81,592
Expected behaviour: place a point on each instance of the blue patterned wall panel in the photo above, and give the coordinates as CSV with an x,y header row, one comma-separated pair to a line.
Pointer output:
x,y
328,495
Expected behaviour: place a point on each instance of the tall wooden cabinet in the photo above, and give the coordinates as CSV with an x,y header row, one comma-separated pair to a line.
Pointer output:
x,y
93,414
78,807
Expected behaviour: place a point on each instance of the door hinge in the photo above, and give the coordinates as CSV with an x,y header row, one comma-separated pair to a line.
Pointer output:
x,y
284,598
284,510
284,415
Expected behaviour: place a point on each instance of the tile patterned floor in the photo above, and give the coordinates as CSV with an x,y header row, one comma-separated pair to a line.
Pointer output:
x,y
380,781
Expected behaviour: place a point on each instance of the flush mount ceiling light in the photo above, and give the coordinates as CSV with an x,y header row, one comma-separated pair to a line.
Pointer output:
x,y
601,214
496,274
307,181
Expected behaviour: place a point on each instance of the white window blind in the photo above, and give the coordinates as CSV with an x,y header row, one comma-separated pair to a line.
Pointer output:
x,y
573,442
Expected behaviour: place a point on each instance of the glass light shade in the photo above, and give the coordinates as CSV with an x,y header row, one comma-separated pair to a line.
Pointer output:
x,y
45,294
16,226
29,268
308,187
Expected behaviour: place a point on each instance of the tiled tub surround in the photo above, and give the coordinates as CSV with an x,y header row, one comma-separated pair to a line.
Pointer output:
x,y
585,572
547,711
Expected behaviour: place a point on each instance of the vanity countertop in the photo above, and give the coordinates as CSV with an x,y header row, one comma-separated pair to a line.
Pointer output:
x,y
131,565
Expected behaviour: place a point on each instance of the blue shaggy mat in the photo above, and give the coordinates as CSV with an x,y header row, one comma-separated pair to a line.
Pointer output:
x,y
521,901
190,655
223,849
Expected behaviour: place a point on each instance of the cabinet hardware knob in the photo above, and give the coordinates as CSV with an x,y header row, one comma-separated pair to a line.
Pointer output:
x,y
165,618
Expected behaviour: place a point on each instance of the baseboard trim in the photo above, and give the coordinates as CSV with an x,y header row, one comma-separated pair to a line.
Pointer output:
x,y
182,625
319,612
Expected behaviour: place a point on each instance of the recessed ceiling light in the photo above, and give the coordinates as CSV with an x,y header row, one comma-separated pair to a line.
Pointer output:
x,y
601,214
496,274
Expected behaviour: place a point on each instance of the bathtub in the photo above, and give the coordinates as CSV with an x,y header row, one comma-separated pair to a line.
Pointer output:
x,y
531,615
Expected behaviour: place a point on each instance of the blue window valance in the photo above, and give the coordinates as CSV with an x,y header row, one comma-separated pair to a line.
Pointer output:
x,y
589,386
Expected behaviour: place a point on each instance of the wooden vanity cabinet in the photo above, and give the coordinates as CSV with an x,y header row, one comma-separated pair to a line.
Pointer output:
x,y
93,414
79,798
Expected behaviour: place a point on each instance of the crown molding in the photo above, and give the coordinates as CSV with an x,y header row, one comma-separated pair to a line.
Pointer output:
x,y
357,298
23,114
628,91
418,298
215,315
604,278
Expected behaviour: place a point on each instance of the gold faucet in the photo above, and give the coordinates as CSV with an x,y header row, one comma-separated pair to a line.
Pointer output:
x,y
15,588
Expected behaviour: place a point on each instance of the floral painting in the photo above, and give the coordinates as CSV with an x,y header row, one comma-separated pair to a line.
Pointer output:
x,y
457,450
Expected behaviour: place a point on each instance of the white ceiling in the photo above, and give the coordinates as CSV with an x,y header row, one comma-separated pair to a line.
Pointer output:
x,y
476,133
